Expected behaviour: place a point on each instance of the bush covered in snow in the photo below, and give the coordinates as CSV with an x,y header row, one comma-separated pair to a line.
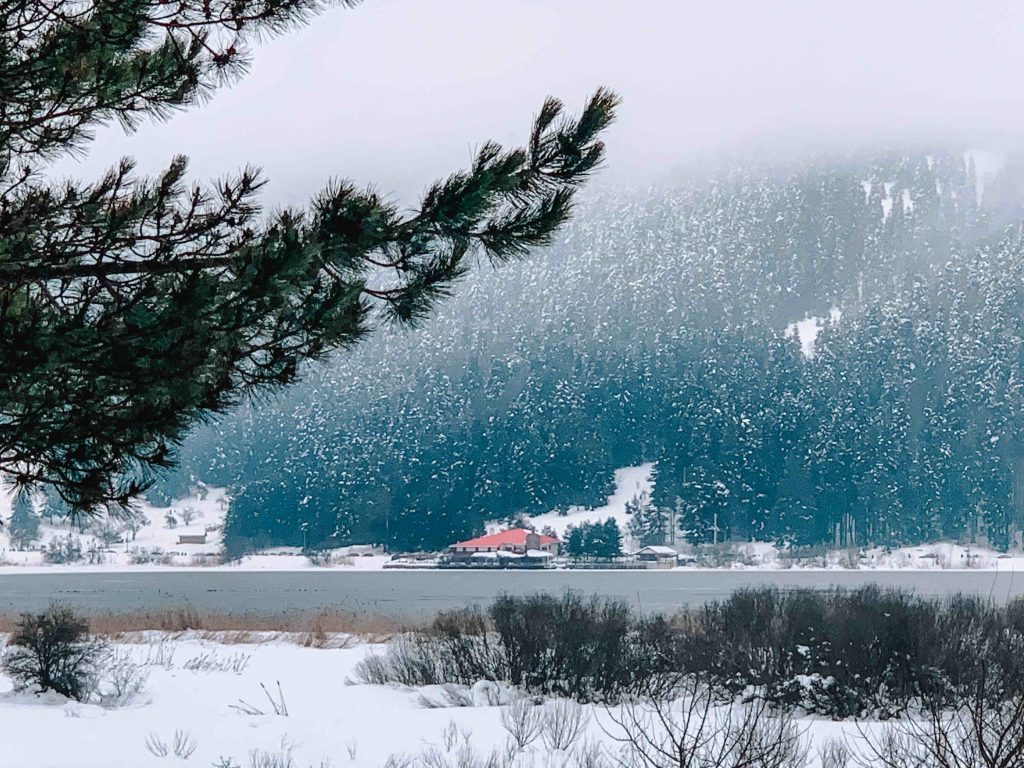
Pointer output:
x,y
63,550
836,654
850,654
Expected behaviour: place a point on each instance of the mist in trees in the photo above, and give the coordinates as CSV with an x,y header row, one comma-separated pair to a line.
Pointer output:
x,y
660,328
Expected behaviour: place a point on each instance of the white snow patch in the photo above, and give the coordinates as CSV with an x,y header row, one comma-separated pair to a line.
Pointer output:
x,y
940,556
987,166
206,510
630,483
328,722
158,544
806,331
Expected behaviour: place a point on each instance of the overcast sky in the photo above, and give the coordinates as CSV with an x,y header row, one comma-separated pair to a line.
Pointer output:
x,y
396,92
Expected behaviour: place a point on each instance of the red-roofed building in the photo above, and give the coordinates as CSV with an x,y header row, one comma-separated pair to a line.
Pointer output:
x,y
517,542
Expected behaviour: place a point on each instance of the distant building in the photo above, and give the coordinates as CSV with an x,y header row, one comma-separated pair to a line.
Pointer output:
x,y
192,537
657,556
506,547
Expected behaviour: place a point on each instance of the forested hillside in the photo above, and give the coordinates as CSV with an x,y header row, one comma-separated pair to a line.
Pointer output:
x,y
656,330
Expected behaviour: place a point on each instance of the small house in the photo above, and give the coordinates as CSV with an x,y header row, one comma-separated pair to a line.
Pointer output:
x,y
192,537
657,556
517,546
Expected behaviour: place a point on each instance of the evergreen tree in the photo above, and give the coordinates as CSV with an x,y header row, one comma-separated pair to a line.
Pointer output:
x,y
610,543
904,424
648,524
576,540
24,523
132,308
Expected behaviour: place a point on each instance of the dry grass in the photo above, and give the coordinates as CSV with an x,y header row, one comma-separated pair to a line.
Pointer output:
x,y
328,629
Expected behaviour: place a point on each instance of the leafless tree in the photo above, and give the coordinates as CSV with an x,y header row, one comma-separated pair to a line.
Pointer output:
x,y
108,531
134,522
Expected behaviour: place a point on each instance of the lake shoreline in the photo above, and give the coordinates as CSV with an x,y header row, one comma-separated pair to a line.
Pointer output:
x,y
404,596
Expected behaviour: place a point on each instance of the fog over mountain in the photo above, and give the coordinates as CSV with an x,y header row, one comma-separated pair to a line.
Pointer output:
x,y
396,92
773,163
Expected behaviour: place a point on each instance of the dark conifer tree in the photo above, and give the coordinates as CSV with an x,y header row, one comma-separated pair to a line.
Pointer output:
x,y
131,308
24,524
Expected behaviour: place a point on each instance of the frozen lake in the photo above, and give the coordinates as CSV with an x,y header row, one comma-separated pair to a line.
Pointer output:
x,y
417,594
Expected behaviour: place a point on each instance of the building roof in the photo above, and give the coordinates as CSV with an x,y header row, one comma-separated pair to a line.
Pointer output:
x,y
499,555
657,549
515,536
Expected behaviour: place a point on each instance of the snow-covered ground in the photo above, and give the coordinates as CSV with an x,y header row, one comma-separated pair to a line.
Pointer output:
x,y
941,556
630,483
155,544
153,538
208,692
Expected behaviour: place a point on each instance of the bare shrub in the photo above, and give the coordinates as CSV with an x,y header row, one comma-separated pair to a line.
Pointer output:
x,y
457,696
683,726
281,758
563,721
451,696
458,647
63,550
399,761
463,757
184,744
590,754
320,558
834,753
212,661
985,732
409,660
159,654
277,703
52,651
351,747
119,681
204,561
450,735
432,757
523,720
149,556
156,746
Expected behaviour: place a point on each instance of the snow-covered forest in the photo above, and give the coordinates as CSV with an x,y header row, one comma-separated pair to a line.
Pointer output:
x,y
676,325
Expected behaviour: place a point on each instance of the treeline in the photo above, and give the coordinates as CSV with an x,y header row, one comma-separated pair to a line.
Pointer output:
x,y
655,330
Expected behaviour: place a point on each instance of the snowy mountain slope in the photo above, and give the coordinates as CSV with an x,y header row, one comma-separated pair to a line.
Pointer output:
x,y
630,483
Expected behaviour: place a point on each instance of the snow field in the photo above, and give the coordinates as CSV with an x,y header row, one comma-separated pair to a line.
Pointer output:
x,y
211,694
